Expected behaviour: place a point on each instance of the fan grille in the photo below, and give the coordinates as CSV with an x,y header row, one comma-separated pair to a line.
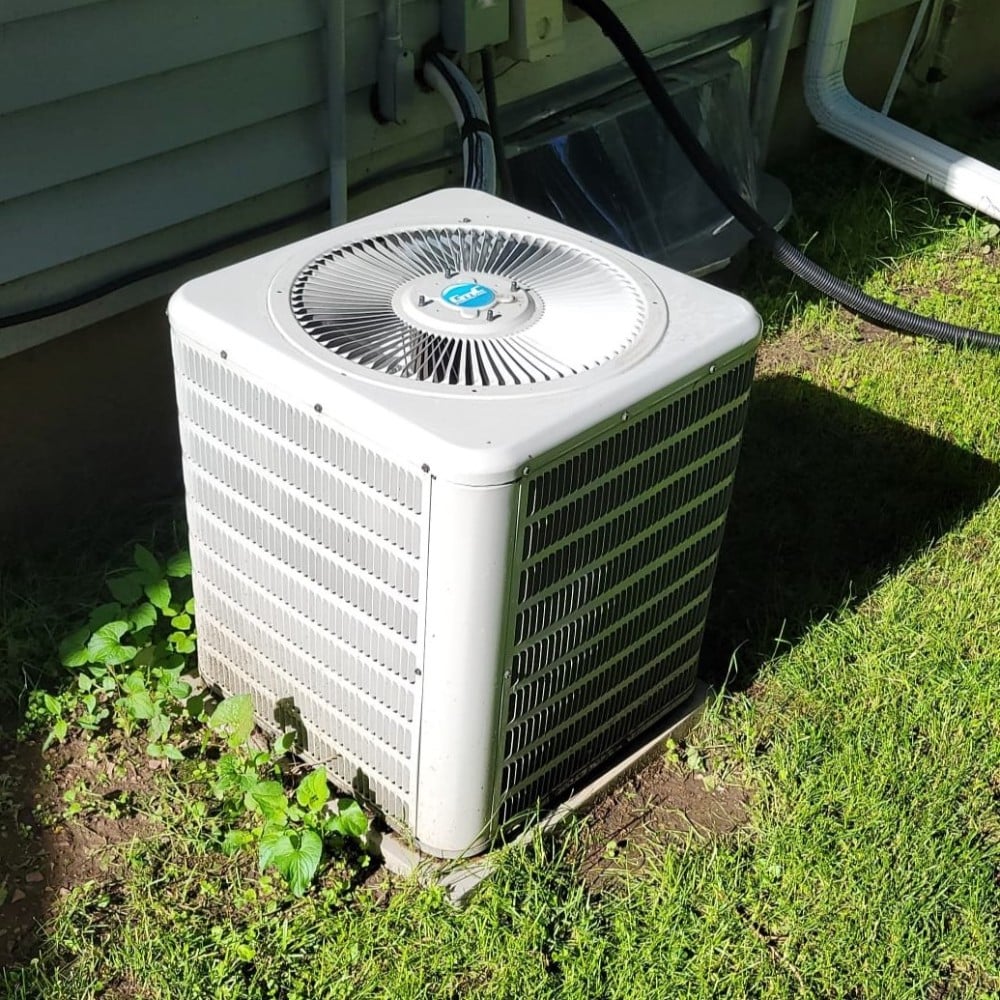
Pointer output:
x,y
555,309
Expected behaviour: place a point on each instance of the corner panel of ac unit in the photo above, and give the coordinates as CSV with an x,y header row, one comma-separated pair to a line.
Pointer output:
x,y
468,571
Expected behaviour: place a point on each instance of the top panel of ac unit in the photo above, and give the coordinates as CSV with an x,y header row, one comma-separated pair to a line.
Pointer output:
x,y
462,332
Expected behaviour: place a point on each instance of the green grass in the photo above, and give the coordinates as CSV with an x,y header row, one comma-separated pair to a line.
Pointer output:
x,y
861,586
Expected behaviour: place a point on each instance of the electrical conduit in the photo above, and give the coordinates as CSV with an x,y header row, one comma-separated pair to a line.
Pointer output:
x,y
336,107
478,154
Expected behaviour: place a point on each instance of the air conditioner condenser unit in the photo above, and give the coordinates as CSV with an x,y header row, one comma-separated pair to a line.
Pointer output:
x,y
456,479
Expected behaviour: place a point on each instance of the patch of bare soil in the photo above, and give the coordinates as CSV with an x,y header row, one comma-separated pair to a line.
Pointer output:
x,y
795,352
660,803
61,818
962,979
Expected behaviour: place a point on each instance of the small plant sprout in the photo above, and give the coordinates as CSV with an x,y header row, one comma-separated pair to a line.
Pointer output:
x,y
290,828
132,662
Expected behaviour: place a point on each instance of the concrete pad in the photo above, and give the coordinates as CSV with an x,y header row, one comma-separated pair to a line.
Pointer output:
x,y
463,876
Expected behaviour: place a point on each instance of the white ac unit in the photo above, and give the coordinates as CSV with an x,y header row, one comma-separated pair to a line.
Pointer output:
x,y
457,478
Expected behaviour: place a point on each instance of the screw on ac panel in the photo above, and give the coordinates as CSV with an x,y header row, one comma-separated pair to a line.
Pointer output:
x,y
422,300
491,315
450,272
318,407
525,470
625,415
425,467
223,355
712,369
466,220
514,286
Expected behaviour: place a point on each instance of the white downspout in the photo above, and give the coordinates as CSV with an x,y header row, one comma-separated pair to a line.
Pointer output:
x,y
963,177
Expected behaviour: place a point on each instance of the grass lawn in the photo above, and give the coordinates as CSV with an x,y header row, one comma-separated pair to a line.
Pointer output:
x,y
857,620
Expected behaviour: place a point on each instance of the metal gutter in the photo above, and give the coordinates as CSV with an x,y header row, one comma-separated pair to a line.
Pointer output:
x,y
836,111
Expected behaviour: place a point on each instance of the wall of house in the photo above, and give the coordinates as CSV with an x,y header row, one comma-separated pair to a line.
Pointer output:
x,y
135,130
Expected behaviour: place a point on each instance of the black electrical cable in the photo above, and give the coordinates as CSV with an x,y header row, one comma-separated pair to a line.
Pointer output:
x,y
493,114
474,130
443,66
866,306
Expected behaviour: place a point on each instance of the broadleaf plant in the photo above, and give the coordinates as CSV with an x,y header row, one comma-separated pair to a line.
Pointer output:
x,y
292,829
129,657
129,662
233,719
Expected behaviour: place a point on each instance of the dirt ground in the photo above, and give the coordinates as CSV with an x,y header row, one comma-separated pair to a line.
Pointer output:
x,y
62,817
802,354
66,816
663,803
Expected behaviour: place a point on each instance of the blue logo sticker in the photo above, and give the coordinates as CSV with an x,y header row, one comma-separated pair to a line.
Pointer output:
x,y
468,295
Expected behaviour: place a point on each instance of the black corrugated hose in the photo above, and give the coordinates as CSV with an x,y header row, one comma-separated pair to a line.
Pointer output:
x,y
880,313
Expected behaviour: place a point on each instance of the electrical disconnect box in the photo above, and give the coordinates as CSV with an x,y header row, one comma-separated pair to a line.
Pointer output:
x,y
469,25
536,29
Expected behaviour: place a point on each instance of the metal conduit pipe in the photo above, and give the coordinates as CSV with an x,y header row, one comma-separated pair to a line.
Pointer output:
x,y
904,56
836,111
780,24
336,107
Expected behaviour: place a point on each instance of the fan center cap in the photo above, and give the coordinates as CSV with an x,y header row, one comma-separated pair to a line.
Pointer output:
x,y
466,304
468,295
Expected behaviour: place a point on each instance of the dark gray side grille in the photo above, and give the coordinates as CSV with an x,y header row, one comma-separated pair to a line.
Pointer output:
x,y
618,545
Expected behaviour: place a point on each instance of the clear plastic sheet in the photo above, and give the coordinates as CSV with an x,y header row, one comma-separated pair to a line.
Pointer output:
x,y
613,171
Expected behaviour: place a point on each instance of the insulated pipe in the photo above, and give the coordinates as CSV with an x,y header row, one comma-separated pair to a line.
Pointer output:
x,y
336,107
505,181
478,155
837,112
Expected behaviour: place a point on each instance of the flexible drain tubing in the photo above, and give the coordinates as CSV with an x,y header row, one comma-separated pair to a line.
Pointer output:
x,y
867,307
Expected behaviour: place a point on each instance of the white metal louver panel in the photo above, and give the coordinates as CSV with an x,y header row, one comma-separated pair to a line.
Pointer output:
x,y
616,550
309,552
457,478
468,306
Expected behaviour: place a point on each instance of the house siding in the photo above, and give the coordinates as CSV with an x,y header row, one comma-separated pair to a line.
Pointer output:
x,y
135,130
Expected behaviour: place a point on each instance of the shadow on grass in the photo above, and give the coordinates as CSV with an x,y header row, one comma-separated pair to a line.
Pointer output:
x,y
830,497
